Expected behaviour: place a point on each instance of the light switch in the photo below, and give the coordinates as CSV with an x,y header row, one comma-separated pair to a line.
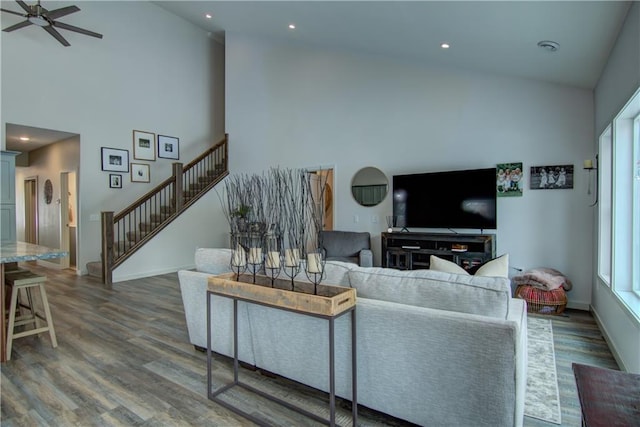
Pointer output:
x,y
356,218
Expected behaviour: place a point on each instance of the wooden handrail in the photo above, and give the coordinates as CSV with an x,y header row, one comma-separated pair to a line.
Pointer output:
x,y
127,231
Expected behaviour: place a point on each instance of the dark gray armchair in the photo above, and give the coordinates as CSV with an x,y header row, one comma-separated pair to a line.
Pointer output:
x,y
347,246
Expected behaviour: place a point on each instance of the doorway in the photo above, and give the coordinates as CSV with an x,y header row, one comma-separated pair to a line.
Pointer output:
x,y
31,210
68,215
319,178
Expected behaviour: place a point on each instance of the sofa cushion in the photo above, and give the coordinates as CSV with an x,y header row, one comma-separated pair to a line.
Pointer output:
x,y
487,296
213,260
335,273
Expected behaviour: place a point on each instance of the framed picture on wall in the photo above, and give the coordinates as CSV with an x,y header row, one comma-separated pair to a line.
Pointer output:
x,y
140,172
115,160
115,180
143,145
553,177
168,147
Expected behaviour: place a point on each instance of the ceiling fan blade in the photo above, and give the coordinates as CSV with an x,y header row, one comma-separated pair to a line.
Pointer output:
x,y
57,35
15,13
17,26
76,29
24,6
63,11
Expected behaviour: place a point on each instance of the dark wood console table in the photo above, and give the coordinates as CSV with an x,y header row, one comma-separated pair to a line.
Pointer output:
x,y
607,397
411,251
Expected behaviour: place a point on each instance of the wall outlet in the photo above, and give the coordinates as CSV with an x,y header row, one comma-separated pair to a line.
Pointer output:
x,y
356,219
94,217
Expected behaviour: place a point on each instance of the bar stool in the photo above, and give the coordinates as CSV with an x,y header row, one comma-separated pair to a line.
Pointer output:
x,y
26,281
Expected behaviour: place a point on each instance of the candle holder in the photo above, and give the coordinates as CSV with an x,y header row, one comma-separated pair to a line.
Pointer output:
x,y
315,269
238,261
272,265
291,264
255,259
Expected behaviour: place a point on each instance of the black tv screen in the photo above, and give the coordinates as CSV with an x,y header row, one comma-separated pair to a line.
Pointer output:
x,y
452,199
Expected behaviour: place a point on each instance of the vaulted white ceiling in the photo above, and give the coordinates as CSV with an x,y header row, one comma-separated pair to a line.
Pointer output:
x,y
491,36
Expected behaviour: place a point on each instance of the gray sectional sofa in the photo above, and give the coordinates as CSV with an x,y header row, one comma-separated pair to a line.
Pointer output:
x,y
433,348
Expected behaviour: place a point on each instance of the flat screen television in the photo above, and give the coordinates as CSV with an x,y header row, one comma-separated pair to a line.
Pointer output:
x,y
451,199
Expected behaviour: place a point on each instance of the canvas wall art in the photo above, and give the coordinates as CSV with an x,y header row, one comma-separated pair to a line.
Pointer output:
x,y
551,177
509,179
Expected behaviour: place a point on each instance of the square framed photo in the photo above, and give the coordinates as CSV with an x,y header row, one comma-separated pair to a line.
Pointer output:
x,y
168,147
140,172
115,180
143,145
115,160
553,177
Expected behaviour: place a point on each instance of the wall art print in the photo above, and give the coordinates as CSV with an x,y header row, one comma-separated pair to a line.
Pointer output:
x,y
509,179
144,145
551,177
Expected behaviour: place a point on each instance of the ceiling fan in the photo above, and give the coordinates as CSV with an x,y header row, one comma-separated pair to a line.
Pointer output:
x,y
38,15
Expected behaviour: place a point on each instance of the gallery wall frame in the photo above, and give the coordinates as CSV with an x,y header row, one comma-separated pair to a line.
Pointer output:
x,y
168,147
144,147
551,177
509,179
140,172
115,180
114,159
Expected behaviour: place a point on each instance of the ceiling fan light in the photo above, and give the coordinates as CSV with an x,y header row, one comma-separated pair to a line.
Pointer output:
x,y
39,21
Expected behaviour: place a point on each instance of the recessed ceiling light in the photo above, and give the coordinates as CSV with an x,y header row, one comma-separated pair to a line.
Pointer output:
x,y
445,45
292,26
24,138
548,45
208,16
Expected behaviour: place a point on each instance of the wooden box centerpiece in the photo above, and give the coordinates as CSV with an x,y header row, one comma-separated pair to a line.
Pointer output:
x,y
328,300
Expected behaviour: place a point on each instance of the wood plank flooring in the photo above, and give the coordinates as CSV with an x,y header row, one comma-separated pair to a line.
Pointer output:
x,y
124,359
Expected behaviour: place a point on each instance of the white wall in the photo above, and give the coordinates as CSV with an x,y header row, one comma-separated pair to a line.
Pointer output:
x,y
297,107
619,81
152,71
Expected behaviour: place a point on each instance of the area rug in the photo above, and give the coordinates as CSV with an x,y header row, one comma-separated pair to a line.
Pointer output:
x,y
542,399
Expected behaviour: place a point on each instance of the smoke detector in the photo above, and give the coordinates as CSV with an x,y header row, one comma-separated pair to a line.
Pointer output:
x,y
548,45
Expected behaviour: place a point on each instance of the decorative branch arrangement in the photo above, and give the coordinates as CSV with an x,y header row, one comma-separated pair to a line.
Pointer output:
x,y
275,220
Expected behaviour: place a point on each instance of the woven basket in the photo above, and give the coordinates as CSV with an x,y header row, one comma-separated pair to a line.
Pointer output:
x,y
542,302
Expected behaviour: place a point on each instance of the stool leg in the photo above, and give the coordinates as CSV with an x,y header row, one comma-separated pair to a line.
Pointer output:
x,y
32,307
47,314
12,320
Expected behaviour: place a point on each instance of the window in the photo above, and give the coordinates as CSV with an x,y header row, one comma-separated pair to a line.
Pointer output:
x,y
635,209
619,206
604,206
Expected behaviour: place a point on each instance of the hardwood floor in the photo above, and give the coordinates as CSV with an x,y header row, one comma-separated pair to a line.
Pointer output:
x,y
124,358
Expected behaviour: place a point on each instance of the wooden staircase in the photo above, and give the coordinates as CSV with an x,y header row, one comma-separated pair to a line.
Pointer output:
x,y
127,231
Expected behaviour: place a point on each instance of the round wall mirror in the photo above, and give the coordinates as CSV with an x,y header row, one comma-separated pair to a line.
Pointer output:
x,y
369,186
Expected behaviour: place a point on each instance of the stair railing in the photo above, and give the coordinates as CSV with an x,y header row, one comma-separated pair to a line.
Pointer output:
x,y
127,231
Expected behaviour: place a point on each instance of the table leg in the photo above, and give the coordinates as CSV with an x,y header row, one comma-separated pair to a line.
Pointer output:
x,y
3,327
354,370
332,376
209,345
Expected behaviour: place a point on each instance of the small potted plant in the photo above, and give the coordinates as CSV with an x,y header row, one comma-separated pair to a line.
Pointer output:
x,y
241,214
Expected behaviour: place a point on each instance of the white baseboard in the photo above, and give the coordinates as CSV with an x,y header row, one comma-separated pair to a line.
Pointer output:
x,y
610,343
578,305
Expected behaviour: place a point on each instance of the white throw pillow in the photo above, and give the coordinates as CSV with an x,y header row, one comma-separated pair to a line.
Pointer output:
x,y
497,267
445,266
